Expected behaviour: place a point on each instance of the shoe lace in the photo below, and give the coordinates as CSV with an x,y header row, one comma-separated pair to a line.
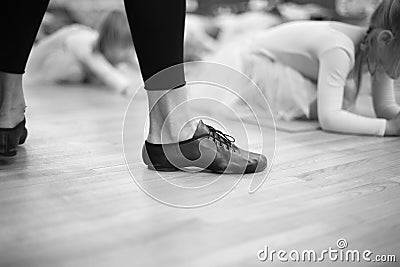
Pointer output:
x,y
221,137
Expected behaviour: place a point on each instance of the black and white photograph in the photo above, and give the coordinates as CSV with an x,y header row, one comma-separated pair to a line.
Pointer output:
x,y
199,133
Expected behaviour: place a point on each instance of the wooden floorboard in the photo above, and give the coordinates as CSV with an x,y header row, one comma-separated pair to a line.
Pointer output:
x,y
68,198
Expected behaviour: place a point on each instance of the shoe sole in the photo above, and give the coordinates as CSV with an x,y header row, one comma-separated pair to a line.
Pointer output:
x,y
162,169
173,169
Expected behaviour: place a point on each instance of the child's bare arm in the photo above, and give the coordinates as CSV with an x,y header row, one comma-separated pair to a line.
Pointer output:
x,y
334,68
104,71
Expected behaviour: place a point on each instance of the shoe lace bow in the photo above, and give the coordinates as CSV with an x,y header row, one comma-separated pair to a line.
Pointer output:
x,y
221,137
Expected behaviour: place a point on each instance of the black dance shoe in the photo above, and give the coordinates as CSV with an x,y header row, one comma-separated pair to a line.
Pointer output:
x,y
10,138
208,149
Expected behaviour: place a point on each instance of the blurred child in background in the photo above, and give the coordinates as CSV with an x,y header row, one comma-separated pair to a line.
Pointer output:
x,y
306,70
77,53
55,18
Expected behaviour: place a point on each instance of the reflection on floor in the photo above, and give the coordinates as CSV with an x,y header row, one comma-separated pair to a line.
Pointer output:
x,y
69,200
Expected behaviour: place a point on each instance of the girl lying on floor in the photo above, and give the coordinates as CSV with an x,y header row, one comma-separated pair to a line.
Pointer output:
x,y
77,53
305,70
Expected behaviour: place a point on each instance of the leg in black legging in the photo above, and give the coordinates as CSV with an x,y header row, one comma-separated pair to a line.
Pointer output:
x,y
157,31
20,21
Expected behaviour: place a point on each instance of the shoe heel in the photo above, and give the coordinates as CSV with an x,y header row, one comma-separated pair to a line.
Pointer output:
x,y
162,169
159,162
23,137
8,144
11,138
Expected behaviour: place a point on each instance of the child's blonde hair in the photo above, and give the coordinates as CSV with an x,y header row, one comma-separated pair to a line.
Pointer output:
x,y
113,31
385,17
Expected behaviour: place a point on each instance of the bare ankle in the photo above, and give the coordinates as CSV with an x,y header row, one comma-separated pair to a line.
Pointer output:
x,y
170,119
172,131
12,102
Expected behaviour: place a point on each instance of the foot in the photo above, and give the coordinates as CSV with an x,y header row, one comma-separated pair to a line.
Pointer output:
x,y
208,149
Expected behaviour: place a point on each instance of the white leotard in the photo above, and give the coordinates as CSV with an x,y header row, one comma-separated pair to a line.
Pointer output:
x,y
326,55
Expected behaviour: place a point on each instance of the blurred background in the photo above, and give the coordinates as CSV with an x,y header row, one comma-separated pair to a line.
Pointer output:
x,y
89,12
211,27
216,18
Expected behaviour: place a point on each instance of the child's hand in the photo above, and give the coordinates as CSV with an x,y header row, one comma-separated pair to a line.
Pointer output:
x,y
393,126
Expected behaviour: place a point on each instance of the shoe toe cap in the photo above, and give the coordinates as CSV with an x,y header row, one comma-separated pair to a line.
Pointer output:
x,y
257,163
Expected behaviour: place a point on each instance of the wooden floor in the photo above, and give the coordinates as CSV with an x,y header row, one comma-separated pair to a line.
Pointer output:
x,y
69,200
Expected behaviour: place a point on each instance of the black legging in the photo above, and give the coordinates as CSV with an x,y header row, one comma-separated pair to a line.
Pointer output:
x,y
157,32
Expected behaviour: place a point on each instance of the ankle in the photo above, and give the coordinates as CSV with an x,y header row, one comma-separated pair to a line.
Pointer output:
x,y
170,121
12,102
10,80
171,131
